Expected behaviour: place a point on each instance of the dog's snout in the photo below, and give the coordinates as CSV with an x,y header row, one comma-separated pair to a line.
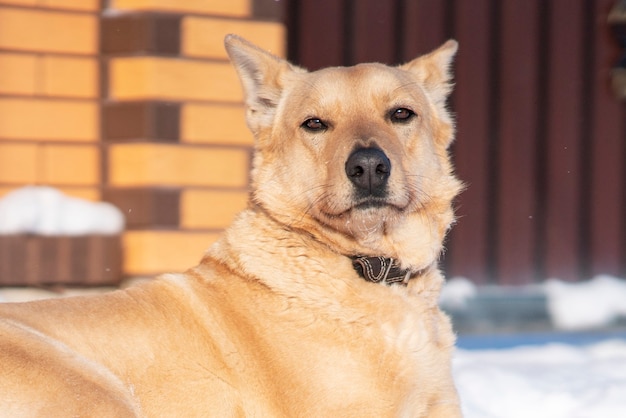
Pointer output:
x,y
368,169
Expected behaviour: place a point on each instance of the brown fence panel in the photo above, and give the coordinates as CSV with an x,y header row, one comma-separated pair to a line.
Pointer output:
x,y
607,151
518,99
469,244
316,33
373,45
541,140
423,26
562,141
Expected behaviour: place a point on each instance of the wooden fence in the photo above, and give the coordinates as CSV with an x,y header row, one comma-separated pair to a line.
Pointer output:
x,y
541,138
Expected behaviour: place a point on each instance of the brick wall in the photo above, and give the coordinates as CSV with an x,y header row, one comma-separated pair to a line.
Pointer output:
x,y
49,94
133,102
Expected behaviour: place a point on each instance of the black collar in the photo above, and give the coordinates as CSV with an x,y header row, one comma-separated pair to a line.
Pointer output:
x,y
381,269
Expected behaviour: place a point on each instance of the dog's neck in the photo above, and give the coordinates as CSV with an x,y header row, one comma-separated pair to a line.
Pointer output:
x,y
375,269
299,256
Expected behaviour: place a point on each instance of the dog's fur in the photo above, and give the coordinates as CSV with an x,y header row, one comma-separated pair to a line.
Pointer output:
x,y
275,321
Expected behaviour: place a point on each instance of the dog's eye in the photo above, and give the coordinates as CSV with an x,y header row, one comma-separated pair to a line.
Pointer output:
x,y
402,114
314,125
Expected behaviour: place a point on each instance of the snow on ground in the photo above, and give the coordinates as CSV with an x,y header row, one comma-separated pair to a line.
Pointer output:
x,y
46,211
549,381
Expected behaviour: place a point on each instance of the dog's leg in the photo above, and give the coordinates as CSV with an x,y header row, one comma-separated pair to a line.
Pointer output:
x,y
40,376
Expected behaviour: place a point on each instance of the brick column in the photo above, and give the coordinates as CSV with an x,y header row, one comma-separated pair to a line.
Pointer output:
x,y
177,151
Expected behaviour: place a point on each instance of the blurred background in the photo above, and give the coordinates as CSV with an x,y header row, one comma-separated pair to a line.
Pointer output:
x,y
133,102
124,154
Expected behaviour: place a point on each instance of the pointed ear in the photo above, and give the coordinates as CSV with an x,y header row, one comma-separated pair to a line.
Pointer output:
x,y
433,70
262,78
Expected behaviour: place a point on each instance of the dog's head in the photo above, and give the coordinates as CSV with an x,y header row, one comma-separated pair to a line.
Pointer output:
x,y
356,156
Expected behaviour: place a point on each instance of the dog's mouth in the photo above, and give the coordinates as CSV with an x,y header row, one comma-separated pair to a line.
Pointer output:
x,y
362,217
371,203
364,207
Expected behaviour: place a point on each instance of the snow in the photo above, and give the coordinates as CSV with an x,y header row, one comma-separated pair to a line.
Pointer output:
x,y
595,303
548,381
46,211
457,292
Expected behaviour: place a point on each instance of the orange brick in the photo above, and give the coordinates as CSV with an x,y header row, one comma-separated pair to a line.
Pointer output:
x,y
46,31
48,120
219,7
89,193
82,5
69,76
154,252
70,165
172,165
214,124
18,163
18,73
204,209
21,2
204,37
172,79
49,75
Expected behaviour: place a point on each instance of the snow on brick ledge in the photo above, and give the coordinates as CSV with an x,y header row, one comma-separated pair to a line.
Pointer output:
x,y
47,238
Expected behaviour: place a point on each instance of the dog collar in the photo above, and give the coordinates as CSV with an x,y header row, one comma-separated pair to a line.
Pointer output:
x,y
381,269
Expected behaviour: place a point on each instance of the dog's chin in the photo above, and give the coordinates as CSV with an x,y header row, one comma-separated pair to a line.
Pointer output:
x,y
362,218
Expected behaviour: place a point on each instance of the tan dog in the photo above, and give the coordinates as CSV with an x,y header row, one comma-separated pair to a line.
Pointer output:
x,y
277,320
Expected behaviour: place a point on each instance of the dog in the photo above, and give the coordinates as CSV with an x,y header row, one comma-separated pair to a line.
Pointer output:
x,y
320,300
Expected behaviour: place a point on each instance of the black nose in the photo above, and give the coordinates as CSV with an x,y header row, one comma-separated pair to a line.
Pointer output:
x,y
368,169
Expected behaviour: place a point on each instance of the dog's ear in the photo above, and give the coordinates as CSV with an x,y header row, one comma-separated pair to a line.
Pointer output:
x,y
433,70
262,78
